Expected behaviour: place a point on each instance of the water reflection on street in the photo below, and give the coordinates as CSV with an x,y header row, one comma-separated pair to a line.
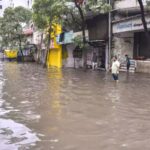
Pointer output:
x,y
72,110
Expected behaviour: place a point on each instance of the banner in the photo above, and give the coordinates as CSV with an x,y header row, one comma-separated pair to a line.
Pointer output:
x,y
134,24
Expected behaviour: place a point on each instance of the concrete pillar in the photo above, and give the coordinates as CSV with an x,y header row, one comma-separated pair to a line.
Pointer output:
x,y
107,57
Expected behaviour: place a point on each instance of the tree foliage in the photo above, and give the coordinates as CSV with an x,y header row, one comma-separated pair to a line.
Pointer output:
x,y
78,41
47,12
22,14
11,25
77,12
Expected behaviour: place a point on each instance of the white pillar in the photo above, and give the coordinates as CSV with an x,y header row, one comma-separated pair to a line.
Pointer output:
x,y
107,57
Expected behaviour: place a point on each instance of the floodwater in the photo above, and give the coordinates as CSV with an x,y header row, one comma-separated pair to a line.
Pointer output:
x,y
72,109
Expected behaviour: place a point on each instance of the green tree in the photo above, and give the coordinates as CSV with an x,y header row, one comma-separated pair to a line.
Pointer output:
x,y
8,25
46,14
11,24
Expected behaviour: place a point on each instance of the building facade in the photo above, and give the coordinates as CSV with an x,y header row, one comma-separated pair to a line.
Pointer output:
x,y
24,3
97,25
128,33
3,5
13,3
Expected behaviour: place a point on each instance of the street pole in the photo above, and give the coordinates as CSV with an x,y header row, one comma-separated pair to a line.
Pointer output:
x,y
109,36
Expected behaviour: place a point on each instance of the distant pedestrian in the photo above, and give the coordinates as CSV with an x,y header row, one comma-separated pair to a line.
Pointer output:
x,y
115,68
94,61
19,56
128,63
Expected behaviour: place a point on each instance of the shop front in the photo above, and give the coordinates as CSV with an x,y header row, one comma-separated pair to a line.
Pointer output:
x,y
130,38
97,25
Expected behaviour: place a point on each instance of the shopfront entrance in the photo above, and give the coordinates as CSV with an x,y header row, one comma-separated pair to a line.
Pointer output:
x,y
141,46
99,47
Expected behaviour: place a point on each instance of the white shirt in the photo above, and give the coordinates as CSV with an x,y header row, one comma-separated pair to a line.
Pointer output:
x,y
115,67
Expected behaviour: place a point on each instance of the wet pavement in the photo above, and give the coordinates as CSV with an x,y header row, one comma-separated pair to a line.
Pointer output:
x,y
72,110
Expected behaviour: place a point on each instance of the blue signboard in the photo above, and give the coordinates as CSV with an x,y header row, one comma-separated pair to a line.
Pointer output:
x,y
65,38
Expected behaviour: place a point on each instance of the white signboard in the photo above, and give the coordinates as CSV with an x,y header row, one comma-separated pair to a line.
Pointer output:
x,y
134,24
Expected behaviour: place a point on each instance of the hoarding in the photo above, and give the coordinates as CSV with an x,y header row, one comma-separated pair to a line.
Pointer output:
x,y
134,24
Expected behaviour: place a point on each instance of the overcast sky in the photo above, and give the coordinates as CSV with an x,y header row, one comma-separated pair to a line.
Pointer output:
x,y
20,2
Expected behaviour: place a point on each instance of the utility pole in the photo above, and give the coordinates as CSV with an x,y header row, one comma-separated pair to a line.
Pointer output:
x,y
109,35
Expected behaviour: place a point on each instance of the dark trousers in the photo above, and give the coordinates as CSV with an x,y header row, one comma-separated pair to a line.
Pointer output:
x,y
115,77
128,66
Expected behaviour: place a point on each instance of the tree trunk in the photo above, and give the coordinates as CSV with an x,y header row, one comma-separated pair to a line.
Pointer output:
x,y
83,21
39,50
143,19
48,47
83,26
20,47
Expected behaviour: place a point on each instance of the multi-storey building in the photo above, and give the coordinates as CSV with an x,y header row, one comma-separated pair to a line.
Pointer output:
x,y
0,4
13,3
4,4
129,37
24,3
2,7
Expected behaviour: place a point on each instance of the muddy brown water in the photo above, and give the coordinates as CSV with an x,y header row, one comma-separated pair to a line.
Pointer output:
x,y
72,110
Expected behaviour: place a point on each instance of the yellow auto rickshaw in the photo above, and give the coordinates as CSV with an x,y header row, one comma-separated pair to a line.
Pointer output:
x,y
10,54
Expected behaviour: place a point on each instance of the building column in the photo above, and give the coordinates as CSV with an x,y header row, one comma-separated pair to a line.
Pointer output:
x,y
107,57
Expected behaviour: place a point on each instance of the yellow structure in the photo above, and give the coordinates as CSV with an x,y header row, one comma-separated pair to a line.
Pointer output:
x,y
54,58
11,53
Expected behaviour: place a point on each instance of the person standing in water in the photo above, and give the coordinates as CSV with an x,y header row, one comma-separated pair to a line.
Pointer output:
x,y
128,63
115,68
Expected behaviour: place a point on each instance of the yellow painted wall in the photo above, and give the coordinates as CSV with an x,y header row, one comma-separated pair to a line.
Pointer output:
x,y
55,58
55,52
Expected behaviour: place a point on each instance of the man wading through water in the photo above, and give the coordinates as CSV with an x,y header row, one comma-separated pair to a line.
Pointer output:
x,y
115,68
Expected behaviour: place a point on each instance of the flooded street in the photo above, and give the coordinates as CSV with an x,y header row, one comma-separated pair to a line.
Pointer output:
x,y
72,110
